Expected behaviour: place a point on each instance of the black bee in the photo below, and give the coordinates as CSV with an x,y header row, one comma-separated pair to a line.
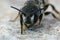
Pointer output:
x,y
33,12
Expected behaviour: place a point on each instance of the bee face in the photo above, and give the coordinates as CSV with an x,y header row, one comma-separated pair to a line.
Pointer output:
x,y
28,20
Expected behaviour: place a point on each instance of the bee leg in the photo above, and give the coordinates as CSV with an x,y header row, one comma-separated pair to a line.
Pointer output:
x,y
46,6
55,17
47,13
21,22
51,14
40,18
35,19
15,18
54,9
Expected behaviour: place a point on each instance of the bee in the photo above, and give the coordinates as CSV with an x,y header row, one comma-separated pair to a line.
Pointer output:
x,y
33,12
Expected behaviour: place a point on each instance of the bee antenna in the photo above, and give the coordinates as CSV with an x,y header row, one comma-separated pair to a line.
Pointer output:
x,y
15,8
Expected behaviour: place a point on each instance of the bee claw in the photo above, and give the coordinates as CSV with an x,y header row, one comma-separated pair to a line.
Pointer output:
x,y
39,25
